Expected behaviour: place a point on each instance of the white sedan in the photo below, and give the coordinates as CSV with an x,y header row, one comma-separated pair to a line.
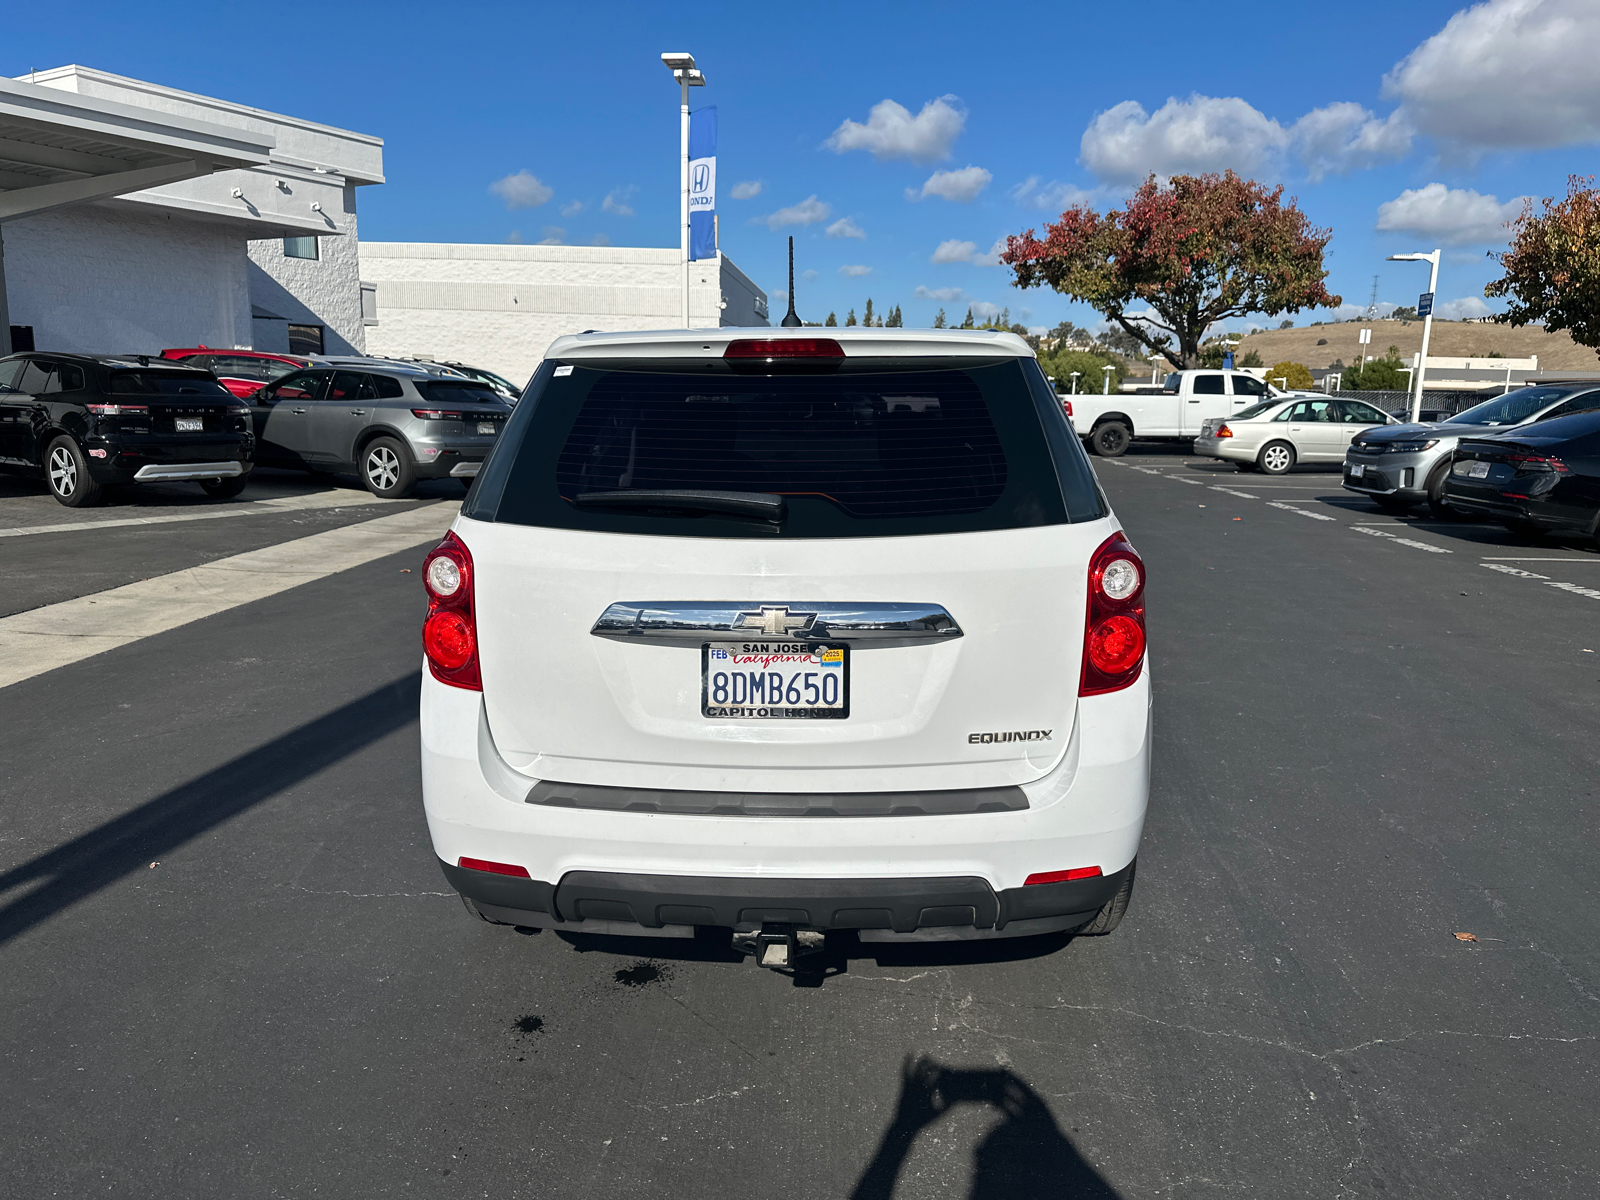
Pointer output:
x,y
1274,435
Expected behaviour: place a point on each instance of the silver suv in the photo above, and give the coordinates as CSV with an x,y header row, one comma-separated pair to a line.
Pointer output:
x,y
392,424
1402,465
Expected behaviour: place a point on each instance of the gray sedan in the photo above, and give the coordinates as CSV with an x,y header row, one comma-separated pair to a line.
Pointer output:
x,y
392,426
1402,465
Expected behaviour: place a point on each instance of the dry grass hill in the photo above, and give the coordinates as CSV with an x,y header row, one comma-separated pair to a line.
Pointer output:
x,y
1451,339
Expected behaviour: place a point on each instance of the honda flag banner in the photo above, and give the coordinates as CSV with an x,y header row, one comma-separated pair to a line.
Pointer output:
x,y
703,183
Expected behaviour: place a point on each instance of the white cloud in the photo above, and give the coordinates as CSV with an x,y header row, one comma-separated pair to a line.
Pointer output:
x,y
1054,196
616,200
748,190
892,132
515,237
944,295
1465,309
780,296
953,251
1039,330
855,272
1453,216
554,235
599,239
808,275
961,186
991,256
808,212
844,227
572,208
1344,137
1512,74
521,190
1203,133
983,310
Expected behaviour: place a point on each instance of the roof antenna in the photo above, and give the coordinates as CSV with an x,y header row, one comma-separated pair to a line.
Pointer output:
x,y
790,321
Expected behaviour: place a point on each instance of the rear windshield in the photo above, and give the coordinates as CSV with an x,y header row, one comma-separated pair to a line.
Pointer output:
x,y
166,383
873,449
1255,410
1511,409
460,391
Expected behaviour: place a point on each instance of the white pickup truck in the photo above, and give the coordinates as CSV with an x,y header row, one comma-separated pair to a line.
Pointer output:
x,y
1108,423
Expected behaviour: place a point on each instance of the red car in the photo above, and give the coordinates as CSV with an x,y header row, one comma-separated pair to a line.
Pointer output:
x,y
242,372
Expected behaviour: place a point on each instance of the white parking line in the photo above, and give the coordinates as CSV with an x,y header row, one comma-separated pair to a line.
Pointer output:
x,y
1575,559
1517,571
1301,511
1186,479
1242,495
1416,545
1592,593
339,499
43,639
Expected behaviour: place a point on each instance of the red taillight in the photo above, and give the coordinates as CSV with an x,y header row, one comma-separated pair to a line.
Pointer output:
x,y
1538,462
450,634
494,868
771,348
1061,876
1113,636
119,410
1066,406
435,414
1223,432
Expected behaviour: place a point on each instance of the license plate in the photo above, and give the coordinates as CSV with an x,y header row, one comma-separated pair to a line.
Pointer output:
x,y
1478,470
1357,470
189,424
774,680
485,426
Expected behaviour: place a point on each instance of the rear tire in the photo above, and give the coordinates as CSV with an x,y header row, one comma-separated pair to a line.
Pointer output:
x,y
224,489
386,469
67,473
1276,458
1109,917
1110,439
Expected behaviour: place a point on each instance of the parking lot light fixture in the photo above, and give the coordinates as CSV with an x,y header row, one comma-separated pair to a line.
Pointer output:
x,y
1105,388
681,64
1075,375
1431,258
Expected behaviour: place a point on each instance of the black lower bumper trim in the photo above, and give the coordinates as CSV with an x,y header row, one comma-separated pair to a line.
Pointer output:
x,y
900,905
780,804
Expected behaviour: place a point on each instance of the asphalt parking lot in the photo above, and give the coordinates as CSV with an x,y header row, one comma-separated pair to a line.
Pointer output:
x,y
232,967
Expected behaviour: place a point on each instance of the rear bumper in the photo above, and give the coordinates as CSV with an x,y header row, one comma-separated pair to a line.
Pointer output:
x,y
879,909
1225,448
934,874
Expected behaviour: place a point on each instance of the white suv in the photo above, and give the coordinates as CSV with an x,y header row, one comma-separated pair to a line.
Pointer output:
x,y
780,633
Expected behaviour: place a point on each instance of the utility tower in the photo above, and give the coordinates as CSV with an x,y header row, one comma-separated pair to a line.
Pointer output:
x,y
1372,304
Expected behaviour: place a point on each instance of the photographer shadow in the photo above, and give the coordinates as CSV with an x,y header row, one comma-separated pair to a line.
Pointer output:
x,y
1025,1155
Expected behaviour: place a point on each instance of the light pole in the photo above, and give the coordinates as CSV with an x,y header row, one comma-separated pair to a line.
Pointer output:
x,y
1432,258
1105,389
1075,375
683,70
1409,376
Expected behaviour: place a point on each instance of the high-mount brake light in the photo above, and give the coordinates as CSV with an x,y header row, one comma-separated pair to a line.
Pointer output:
x,y
1224,432
1114,633
772,349
1062,876
450,633
120,410
494,868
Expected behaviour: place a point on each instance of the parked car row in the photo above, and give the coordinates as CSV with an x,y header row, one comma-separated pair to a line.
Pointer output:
x,y
88,422
242,372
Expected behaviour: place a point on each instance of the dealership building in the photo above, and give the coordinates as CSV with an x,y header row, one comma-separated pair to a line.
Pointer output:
x,y
134,217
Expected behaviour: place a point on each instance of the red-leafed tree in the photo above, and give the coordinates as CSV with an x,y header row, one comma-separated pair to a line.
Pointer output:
x,y
1552,269
1196,250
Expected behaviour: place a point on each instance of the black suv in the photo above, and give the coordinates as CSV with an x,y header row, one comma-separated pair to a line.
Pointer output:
x,y
88,421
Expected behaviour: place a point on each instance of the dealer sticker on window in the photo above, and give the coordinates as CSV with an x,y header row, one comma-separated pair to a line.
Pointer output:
x,y
774,680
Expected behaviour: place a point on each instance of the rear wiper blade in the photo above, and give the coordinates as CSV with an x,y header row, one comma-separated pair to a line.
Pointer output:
x,y
764,506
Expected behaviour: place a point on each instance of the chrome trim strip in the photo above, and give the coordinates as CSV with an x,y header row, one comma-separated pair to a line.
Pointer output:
x,y
866,625
156,472
464,470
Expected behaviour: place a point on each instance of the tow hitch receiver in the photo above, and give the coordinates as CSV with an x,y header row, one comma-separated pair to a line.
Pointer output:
x,y
778,946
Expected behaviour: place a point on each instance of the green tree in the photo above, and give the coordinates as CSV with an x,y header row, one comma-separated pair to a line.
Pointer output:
x,y
1376,375
1090,368
895,320
850,318
1251,359
967,324
1195,250
939,321
832,320
1552,267
1285,324
1405,314
1297,374
866,316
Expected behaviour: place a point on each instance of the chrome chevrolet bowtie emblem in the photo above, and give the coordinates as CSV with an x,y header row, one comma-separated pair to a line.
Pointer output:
x,y
776,621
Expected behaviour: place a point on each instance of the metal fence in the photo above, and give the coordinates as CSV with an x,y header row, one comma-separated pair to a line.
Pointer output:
x,y
1399,403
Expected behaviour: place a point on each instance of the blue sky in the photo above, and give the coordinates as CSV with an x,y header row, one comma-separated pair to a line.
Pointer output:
x,y
1429,119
